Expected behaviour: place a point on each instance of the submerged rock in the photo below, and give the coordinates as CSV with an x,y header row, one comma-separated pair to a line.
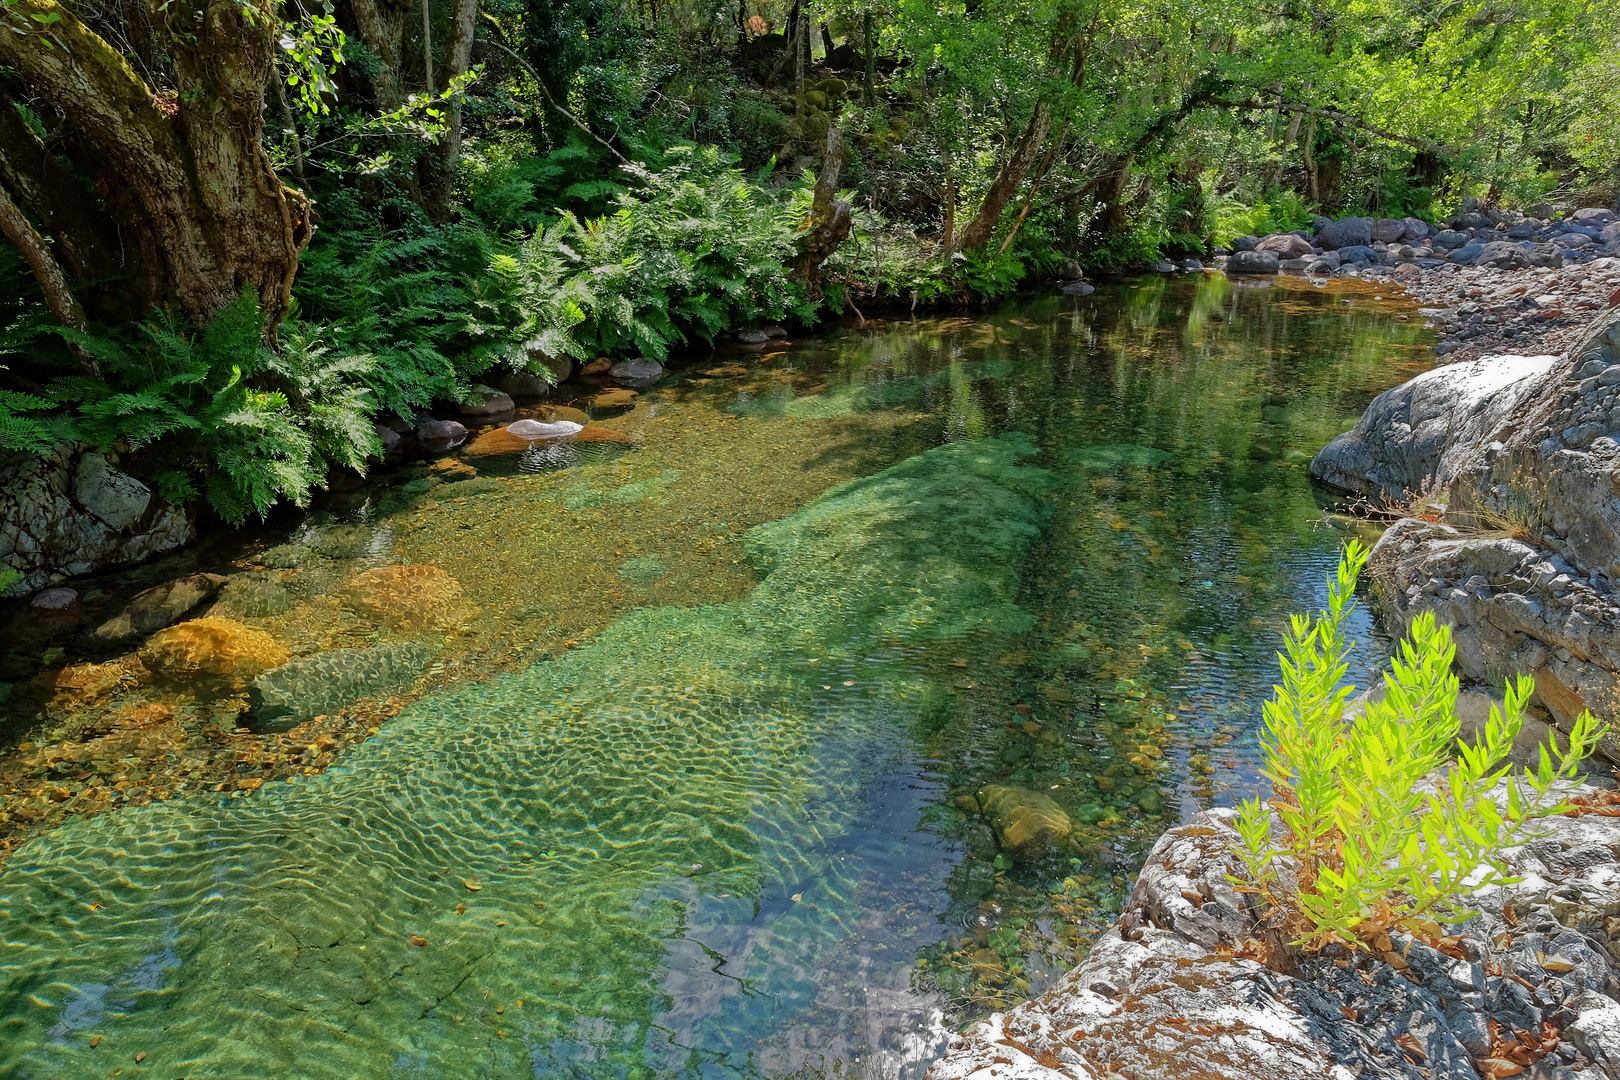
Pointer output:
x,y
1027,823
314,685
406,597
156,608
637,373
211,651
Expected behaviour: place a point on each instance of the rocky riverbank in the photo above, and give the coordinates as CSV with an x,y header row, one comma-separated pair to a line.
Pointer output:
x,y
1173,991
1491,282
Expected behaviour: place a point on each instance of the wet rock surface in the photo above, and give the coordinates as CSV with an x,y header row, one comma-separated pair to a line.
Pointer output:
x,y
1527,987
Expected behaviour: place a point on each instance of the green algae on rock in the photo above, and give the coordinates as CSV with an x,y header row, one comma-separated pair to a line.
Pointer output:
x,y
325,928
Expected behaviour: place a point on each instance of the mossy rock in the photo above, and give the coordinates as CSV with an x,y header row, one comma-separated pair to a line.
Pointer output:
x,y
407,597
325,683
832,88
816,100
1026,822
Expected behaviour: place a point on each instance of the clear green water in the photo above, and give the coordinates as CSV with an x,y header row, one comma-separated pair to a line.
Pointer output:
x,y
728,835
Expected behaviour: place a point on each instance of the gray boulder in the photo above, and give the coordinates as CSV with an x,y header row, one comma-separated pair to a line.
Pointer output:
x,y
1526,565
1388,230
1357,253
1253,262
1465,255
1286,245
1502,255
487,401
440,434
527,384
1447,239
1593,213
1345,233
1474,219
72,511
637,374
1401,442
1414,230
1245,243
1078,288
116,498
753,337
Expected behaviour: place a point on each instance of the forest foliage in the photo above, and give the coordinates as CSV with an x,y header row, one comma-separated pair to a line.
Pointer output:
x,y
470,186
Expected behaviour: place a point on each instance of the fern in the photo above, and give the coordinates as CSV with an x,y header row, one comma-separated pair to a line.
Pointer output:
x,y
256,425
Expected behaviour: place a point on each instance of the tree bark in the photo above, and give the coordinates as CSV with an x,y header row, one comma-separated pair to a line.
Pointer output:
x,y
185,172
380,25
439,181
829,221
16,227
1011,174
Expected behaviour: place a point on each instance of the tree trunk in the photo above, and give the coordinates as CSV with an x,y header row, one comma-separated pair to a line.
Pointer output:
x,y
871,56
439,179
1012,173
184,172
380,25
14,226
829,221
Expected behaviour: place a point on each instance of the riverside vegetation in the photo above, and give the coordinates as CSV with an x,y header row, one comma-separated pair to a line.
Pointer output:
x,y
414,201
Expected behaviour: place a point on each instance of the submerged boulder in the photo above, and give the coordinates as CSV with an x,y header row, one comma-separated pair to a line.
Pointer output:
x,y
315,685
211,651
1027,823
157,607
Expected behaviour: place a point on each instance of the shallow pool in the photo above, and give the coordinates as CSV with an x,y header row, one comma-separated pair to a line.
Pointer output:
x,y
700,760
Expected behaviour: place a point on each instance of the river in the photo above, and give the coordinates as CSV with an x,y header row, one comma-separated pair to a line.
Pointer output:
x,y
687,775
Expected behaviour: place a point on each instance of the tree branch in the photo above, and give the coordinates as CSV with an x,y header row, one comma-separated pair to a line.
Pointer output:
x,y
544,89
1341,117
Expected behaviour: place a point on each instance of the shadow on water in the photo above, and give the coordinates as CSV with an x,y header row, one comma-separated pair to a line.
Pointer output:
x,y
761,822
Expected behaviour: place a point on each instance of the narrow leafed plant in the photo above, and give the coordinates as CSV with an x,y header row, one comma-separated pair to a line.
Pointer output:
x,y
1373,824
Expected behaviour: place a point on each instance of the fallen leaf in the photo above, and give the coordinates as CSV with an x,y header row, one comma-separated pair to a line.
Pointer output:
x,y
95,1040
1496,1068
797,897
140,1057
472,884
1410,1044
419,942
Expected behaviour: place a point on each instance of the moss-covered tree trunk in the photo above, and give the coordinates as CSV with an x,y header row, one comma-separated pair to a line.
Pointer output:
x,y
176,172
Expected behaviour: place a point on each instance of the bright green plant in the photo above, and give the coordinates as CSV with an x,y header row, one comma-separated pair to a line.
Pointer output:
x,y
1380,828
698,249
